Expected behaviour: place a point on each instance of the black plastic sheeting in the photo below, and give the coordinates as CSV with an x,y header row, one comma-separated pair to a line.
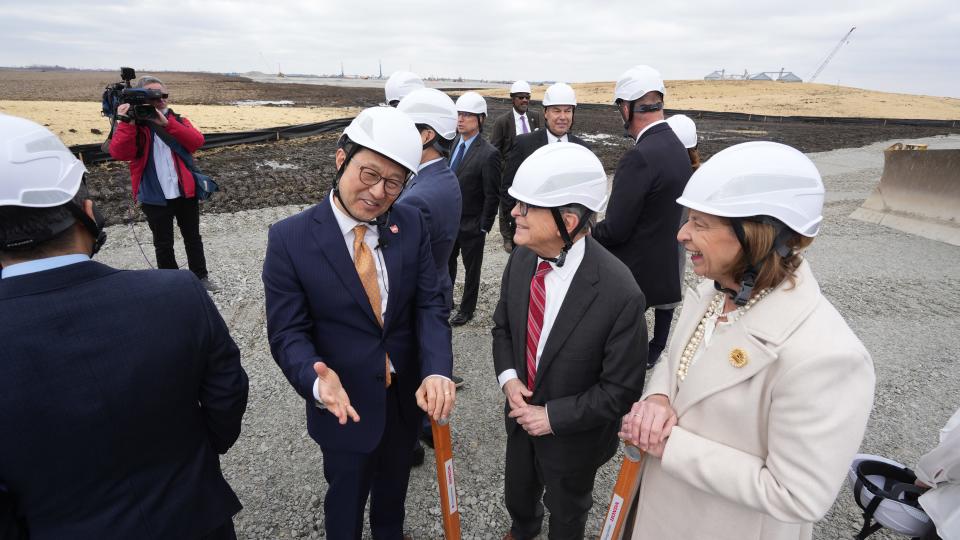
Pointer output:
x,y
745,117
92,153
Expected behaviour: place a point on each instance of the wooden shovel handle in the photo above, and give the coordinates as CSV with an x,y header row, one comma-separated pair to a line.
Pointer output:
x,y
443,450
624,492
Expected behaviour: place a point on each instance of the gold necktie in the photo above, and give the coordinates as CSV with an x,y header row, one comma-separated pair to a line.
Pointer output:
x,y
367,270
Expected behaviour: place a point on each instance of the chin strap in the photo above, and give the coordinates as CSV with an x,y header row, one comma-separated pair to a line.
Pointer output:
x,y
567,236
749,279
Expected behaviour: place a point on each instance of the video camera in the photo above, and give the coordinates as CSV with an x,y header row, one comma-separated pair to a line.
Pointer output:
x,y
123,92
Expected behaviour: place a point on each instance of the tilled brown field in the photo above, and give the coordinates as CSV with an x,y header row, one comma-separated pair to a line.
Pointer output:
x,y
299,171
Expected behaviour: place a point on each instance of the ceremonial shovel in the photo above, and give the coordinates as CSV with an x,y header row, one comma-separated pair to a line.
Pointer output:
x,y
623,493
443,450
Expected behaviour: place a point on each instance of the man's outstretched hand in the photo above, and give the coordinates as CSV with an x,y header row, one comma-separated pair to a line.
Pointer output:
x,y
332,394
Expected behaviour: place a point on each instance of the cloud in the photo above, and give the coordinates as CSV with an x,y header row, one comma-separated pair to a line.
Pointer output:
x,y
905,47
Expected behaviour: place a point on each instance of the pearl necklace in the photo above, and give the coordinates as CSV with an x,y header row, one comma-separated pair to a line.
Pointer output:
x,y
714,311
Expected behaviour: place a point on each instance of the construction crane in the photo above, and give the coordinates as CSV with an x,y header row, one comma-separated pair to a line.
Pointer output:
x,y
830,56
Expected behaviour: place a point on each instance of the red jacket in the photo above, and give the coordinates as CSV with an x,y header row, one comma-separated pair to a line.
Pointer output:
x,y
123,147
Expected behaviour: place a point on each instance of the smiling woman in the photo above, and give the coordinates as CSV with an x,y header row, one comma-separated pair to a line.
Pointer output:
x,y
763,401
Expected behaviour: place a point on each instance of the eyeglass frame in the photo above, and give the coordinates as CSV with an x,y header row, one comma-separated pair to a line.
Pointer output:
x,y
380,178
525,208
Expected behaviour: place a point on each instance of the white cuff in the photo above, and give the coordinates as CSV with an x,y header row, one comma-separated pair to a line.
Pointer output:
x,y
316,394
505,376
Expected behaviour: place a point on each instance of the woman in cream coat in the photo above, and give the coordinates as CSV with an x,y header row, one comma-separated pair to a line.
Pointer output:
x,y
751,424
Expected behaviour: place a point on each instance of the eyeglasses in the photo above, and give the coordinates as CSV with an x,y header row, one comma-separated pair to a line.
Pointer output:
x,y
370,178
525,208
522,96
162,96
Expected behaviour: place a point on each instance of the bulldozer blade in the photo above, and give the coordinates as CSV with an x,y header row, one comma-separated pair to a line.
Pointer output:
x,y
918,193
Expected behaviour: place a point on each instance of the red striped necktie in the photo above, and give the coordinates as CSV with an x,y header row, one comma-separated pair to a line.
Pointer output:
x,y
538,301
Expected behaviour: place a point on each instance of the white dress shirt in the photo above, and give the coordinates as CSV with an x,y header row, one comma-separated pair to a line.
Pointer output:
x,y
557,283
551,138
644,130
166,168
518,124
371,238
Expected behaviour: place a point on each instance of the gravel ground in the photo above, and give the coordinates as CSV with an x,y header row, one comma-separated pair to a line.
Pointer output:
x,y
898,292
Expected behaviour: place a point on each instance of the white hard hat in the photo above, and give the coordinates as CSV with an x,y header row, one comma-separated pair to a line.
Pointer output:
x,y
637,81
520,87
560,174
388,132
431,107
685,129
559,94
400,84
36,169
898,510
472,102
759,178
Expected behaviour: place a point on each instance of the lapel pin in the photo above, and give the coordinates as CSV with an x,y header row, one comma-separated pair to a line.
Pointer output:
x,y
394,229
738,358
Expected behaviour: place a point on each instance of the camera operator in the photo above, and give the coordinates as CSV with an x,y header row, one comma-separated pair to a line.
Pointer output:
x,y
162,183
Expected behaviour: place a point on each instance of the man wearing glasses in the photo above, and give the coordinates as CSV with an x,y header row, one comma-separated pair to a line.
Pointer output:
x,y
518,121
162,182
357,322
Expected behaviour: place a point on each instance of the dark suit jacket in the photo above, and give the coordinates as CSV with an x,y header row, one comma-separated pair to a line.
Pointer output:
x,y
118,390
505,130
592,367
317,310
643,216
479,175
523,146
436,193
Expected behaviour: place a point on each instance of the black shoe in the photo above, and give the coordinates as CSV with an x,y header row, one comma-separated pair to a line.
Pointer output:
x,y
426,437
653,354
418,455
457,381
460,318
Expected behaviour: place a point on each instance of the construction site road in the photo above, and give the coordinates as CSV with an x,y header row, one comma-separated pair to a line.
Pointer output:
x,y
899,293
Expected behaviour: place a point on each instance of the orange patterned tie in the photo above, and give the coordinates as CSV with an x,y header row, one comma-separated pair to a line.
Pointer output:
x,y
367,270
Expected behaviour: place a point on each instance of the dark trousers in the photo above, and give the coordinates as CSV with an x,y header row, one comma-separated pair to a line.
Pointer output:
x,y
567,494
471,244
160,219
507,225
382,475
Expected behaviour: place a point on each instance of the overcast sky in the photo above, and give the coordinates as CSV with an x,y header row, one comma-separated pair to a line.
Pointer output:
x,y
899,46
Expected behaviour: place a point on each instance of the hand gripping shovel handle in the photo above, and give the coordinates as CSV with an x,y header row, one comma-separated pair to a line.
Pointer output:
x,y
443,450
623,493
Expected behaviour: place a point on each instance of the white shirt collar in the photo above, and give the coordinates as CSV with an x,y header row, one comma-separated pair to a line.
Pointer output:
x,y
644,130
429,163
551,138
571,263
40,265
346,222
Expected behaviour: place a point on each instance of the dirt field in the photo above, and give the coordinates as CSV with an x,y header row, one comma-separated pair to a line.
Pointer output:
x,y
295,172
775,98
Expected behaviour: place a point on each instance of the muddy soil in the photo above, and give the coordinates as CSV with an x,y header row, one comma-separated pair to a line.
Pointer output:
x,y
300,171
